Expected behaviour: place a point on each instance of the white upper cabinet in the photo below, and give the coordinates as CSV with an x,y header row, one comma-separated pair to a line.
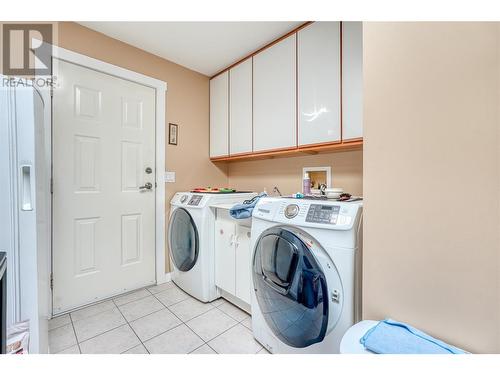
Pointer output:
x,y
352,80
274,96
219,116
319,87
240,108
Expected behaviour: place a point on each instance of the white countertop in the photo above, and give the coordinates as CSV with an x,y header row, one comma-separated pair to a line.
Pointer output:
x,y
224,206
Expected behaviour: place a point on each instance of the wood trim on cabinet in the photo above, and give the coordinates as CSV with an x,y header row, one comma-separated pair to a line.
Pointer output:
x,y
294,151
309,145
263,48
351,140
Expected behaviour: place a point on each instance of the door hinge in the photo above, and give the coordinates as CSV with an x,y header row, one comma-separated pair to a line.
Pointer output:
x,y
51,185
51,281
51,91
156,185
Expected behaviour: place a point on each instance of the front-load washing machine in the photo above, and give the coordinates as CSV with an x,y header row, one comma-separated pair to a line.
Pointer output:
x,y
306,273
191,240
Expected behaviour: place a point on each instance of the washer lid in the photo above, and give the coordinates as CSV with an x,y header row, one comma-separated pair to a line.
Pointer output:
x,y
183,240
292,289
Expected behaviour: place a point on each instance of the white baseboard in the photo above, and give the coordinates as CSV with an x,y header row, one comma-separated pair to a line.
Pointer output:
x,y
165,279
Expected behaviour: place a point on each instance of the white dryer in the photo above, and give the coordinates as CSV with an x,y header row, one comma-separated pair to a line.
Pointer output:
x,y
191,240
306,273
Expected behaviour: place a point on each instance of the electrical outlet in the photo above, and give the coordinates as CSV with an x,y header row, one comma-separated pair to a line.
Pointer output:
x,y
169,177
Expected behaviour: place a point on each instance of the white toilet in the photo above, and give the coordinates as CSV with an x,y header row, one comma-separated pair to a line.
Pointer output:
x,y
350,341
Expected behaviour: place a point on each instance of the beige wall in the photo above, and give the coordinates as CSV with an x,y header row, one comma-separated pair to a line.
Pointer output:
x,y
431,179
286,173
187,104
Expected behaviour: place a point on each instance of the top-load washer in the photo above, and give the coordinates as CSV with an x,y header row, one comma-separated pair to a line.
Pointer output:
x,y
191,240
306,273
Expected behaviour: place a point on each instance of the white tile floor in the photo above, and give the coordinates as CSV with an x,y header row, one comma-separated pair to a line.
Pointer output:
x,y
158,320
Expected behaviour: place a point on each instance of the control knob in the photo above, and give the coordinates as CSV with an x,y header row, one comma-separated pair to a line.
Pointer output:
x,y
291,211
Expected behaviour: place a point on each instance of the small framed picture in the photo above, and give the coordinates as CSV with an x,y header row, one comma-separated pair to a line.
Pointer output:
x,y
173,133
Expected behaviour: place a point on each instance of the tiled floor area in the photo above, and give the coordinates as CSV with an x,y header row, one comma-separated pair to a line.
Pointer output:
x,y
158,319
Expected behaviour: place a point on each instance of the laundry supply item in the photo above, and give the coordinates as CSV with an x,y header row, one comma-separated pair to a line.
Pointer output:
x,y
392,337
306,184
244,210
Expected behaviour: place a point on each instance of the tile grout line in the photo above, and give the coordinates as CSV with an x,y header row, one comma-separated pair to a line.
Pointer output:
x,y
204,342
114,306
102,333
107,299
74,331
239,321
128,323
213,338
184,323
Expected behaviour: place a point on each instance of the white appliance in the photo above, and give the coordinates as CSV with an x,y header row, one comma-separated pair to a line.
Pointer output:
x,y
350,343
191,240
24,206
306,273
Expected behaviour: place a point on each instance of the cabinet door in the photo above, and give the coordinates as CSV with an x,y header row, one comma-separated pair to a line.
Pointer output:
x,y
224,255
243,264
352,80
318,59
219,116
240,108
274,86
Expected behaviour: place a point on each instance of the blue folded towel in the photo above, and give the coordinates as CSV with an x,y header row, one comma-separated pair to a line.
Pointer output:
x,y
244,210
391,337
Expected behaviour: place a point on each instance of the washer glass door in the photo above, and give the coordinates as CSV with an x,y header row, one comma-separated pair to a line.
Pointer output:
x,y
290,288
183,240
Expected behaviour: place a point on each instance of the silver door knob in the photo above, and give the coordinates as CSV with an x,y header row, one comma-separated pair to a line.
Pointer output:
x,y
147,186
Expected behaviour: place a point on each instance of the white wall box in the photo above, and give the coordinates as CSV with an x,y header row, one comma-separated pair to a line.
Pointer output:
x,y
352,80
274,96
219,115
233,256
240,108
318,67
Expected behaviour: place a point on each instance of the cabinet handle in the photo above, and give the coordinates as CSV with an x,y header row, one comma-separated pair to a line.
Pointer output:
x,y
236,241
231,240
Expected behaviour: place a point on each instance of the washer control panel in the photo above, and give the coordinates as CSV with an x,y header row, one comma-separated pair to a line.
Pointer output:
x,y
323,214
195,200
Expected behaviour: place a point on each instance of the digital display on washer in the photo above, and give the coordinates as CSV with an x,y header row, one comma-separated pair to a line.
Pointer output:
x,y
195,200
322,214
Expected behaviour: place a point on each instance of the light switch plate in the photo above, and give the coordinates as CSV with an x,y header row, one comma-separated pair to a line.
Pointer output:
x,y
169,176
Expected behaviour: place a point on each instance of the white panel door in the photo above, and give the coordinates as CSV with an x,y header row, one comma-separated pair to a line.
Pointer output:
x,y
274,94
224,254
318,69
240,108
104,223
219,116
352,80
243,264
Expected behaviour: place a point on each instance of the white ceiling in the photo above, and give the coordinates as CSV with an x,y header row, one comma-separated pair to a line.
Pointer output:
x,y
206,47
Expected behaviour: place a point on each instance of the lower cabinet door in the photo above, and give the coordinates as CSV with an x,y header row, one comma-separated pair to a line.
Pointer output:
x,y
243,264
225,237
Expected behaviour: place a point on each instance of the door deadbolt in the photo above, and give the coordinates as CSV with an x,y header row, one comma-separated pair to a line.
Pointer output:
x,y
149,170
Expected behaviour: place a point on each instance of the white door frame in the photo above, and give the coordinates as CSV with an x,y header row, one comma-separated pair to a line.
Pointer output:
x,y
160,88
